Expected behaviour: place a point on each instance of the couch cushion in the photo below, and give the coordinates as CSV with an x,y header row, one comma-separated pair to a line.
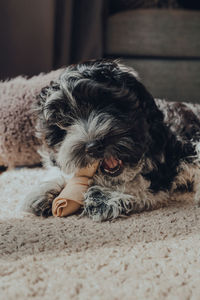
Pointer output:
x,y
174,80
152,32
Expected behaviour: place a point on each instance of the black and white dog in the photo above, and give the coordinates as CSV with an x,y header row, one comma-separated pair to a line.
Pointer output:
x,y
148,149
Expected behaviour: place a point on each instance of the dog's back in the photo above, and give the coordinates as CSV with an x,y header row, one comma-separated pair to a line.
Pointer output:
x,y
182,118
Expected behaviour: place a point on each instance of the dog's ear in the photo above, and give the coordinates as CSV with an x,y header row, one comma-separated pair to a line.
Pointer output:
x,y
158,131
52,105
148,103
47,91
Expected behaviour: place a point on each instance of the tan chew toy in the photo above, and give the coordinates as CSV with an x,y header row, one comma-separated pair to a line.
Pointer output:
x,y
71,197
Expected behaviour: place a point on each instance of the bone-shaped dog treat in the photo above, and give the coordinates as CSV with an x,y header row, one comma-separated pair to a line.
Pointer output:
x,y
71,197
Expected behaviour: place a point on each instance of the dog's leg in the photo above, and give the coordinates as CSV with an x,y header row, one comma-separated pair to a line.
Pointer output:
x,y
104,204
101,203
39,201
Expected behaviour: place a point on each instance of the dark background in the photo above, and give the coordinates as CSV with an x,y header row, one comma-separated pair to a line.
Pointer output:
x,y
41,35
160,38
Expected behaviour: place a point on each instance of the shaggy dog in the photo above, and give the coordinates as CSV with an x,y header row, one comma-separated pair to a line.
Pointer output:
x,y
148,149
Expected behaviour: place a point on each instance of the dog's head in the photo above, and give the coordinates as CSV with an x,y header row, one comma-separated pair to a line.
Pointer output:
x,y
99,110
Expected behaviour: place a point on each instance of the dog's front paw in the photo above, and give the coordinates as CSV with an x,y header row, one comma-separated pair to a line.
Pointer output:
x,y
102,204
39,201
97,205
40,204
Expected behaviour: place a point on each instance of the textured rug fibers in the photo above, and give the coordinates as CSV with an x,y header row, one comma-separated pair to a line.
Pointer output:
x,y
152,255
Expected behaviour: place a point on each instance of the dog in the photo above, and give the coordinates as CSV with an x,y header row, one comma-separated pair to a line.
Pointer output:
x,y
149,149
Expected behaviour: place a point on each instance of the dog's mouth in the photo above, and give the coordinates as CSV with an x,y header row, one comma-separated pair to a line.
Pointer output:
x,y
111,166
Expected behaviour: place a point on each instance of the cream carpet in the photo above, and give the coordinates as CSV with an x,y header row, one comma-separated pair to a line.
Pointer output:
x,y
152,255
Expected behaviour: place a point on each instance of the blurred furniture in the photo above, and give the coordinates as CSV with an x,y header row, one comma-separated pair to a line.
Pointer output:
x,y
38,36
163,45
26,34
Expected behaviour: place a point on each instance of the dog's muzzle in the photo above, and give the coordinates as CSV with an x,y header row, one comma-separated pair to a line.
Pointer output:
x,y
111,166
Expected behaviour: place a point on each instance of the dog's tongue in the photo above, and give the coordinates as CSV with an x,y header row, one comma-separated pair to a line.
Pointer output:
x,y
110,163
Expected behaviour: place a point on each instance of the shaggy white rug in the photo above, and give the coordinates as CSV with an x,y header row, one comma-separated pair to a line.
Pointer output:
x,y
152,255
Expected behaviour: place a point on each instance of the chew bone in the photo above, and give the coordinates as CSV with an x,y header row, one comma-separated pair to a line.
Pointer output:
x,y
71,197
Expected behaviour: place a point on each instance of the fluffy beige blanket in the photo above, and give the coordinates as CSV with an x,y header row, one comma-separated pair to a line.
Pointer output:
x,y
152,255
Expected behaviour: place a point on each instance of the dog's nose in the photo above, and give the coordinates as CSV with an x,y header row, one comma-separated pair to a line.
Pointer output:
x,y
94,148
